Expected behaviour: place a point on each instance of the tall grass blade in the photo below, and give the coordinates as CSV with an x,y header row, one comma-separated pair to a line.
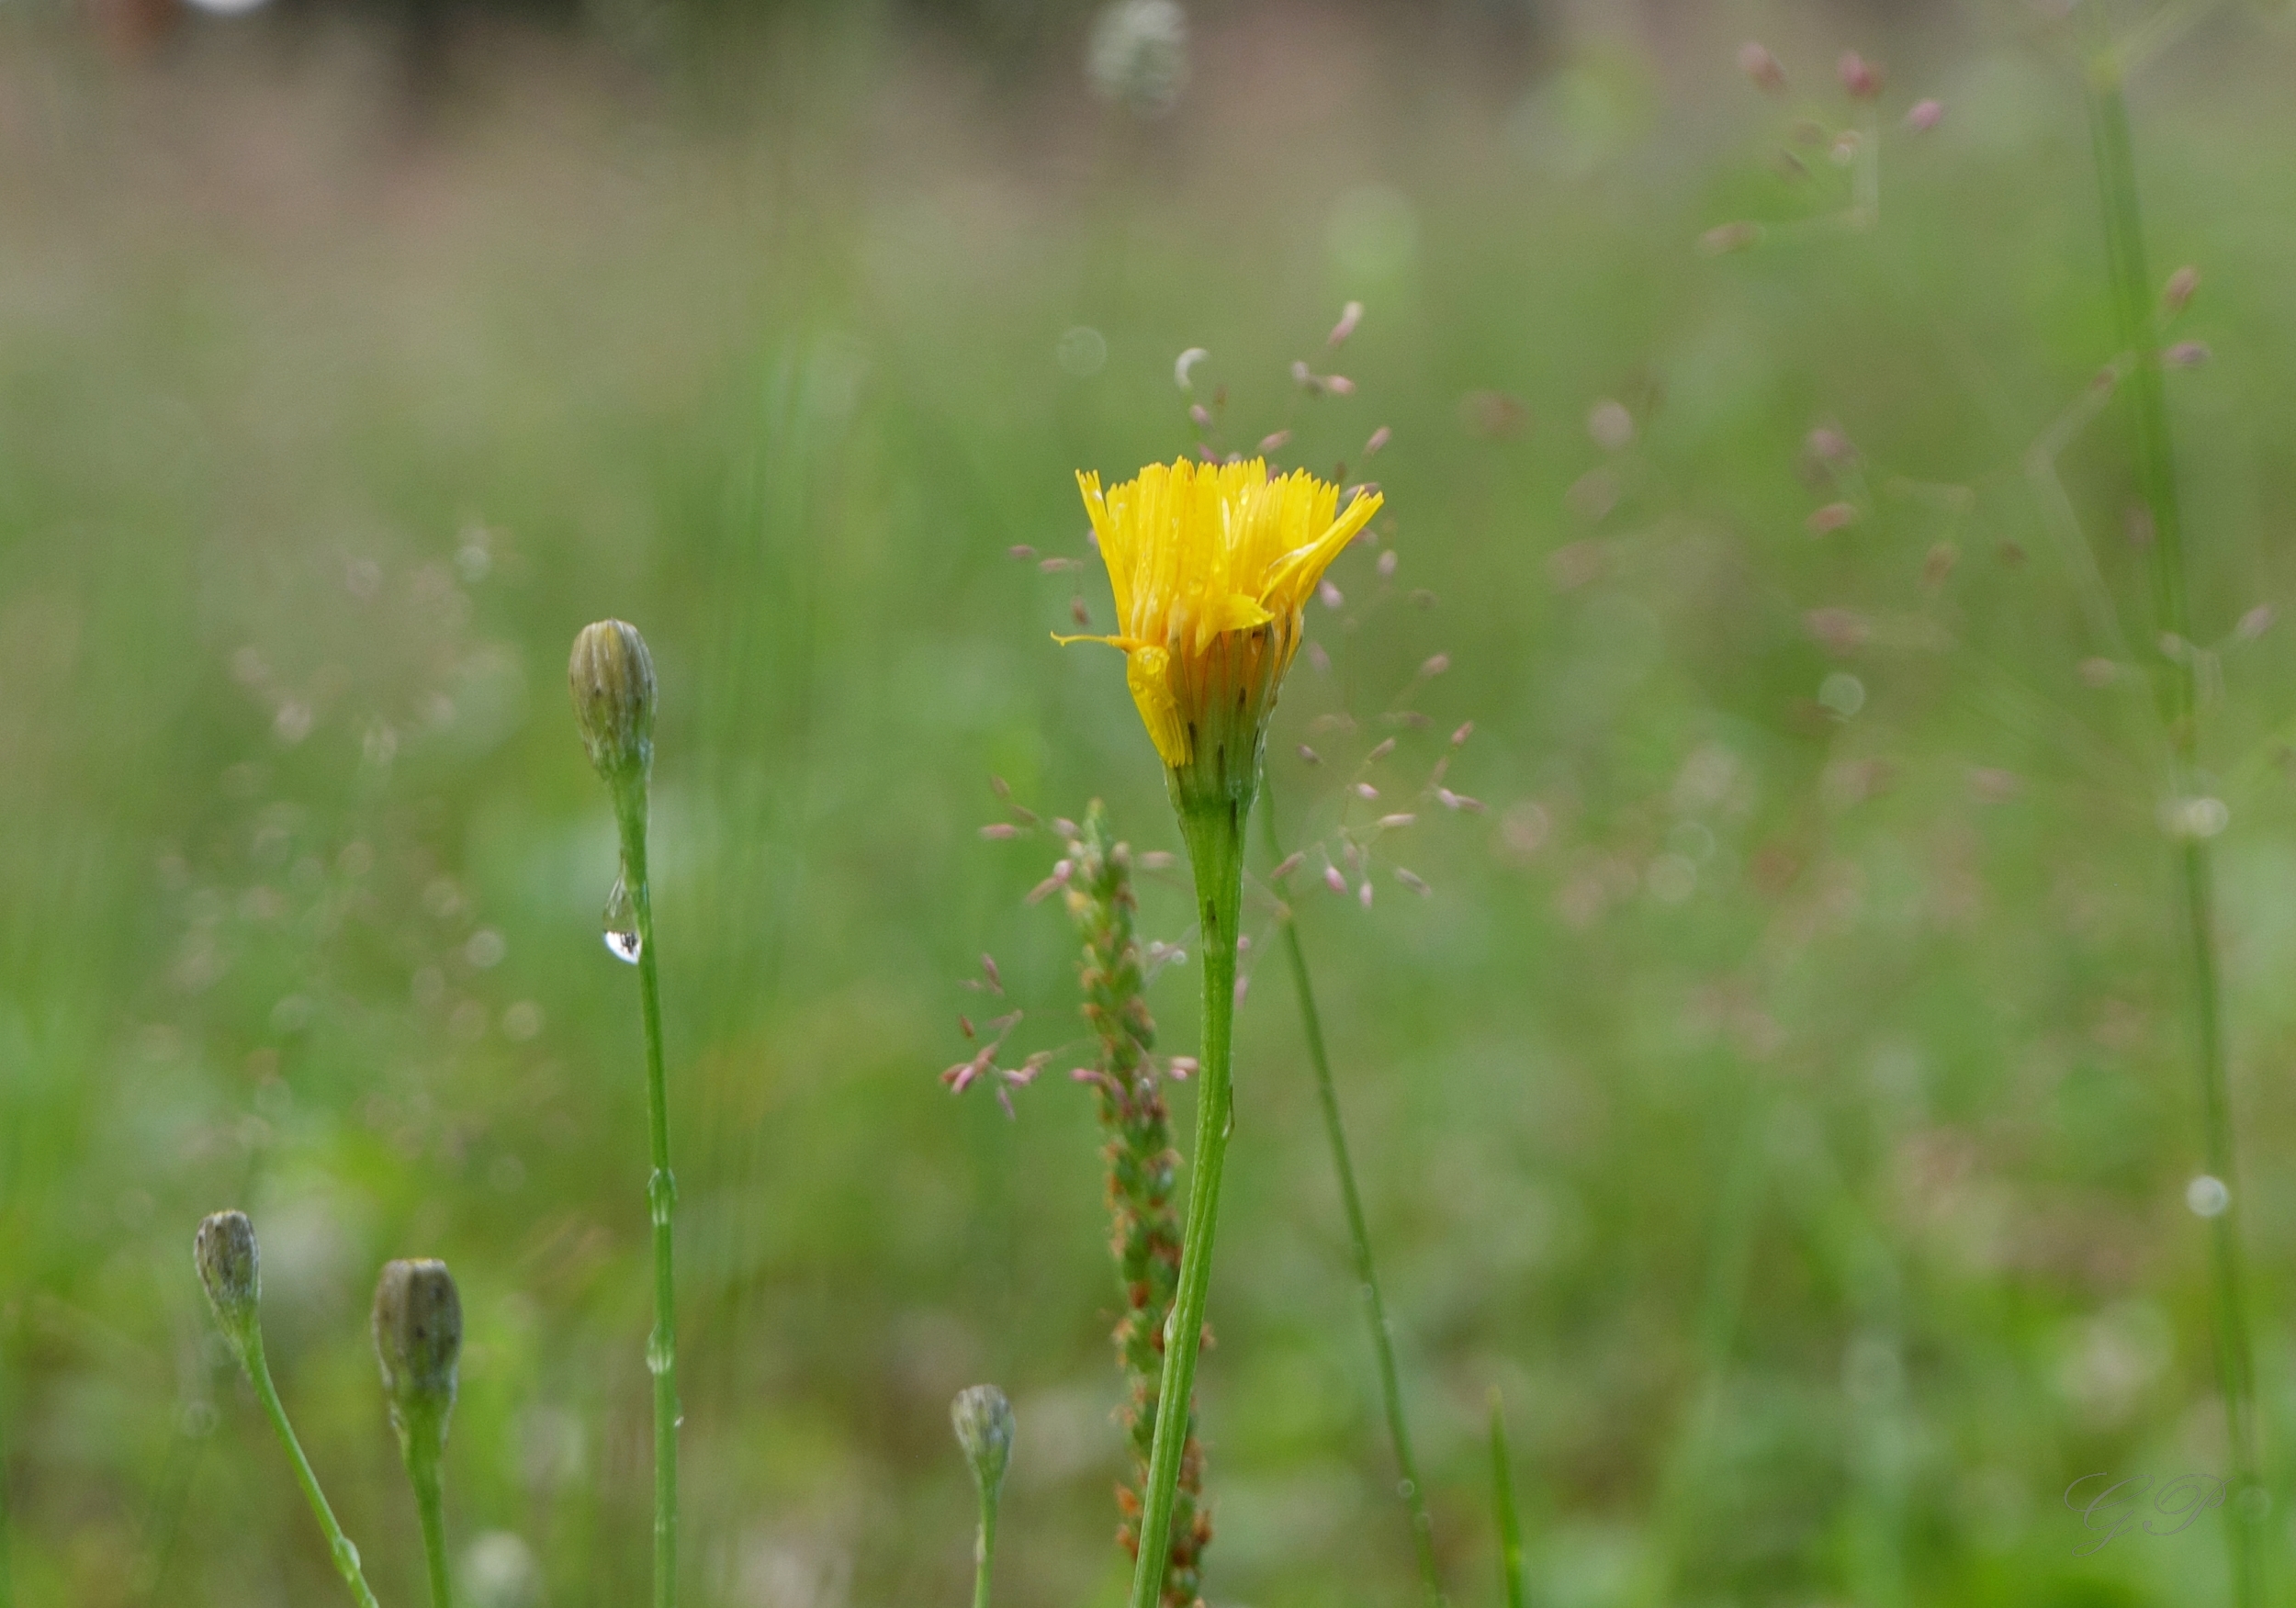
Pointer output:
x,y
2176,686
1502,1502
1359,1239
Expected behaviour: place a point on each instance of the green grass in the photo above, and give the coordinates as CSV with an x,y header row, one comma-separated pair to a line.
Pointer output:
x,y
1819,1224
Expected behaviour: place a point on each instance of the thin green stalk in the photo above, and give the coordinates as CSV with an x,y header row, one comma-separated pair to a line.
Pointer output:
x,y
983,1550
1359,1237
1730,1257
339,1546
1503,1498
166,1520
8,1576
661,1199
2176,688
429,1504
1215,844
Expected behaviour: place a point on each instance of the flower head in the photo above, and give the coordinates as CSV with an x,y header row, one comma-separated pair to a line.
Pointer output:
x,y
612,677
983,1420
418,1334
232,1268
1211,565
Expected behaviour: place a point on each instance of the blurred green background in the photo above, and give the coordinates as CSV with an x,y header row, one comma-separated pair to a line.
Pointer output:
x,y
1784,1094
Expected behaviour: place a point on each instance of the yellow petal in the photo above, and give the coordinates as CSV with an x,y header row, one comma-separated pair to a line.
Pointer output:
x,y
1148,672
1295,574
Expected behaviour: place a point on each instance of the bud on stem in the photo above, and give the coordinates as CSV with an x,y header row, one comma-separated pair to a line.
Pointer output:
x,y
231,1269
983,1420
418,1340
612,677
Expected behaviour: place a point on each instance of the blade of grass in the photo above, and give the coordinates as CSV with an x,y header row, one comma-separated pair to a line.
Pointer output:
x,y
8,1576
1359,1239
2176,683
1729,1259
1503,1501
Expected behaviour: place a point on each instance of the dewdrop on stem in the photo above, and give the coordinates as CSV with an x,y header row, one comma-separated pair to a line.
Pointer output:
x,y
620,924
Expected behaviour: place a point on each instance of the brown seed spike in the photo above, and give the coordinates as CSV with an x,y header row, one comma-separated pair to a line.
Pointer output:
x,y
1143,1170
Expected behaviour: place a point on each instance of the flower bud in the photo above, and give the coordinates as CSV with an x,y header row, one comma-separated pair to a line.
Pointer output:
x,y
232,1268
1756,61
612,676
418,1337
1860,77
984,1423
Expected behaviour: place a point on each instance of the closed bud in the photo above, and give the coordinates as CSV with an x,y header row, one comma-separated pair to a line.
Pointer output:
x,y
417,1339
1756,61
232,1268
1860,77
612,676
982,1419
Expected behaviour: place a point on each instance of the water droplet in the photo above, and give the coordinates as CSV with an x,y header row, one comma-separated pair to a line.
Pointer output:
x,y
347,1553
2206,1196
661,1198
1406,1489
199,1419
621,924
660,1356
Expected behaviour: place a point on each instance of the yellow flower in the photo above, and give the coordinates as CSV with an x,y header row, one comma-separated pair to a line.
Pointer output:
x,y
1212,566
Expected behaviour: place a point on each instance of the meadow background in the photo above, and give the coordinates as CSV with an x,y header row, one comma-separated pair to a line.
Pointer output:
x,y
1783,1094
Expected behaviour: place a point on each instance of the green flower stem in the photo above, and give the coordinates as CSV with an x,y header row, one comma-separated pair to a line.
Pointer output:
x,y
339,1546
2176,685
431,1505
1359,1237
1214,831
1503,1498
661,1199
983,1550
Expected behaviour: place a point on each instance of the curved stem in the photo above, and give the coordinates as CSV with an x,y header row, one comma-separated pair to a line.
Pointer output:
x,y
346,1557
1215,845
661,1199
2176,684
1359,1238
